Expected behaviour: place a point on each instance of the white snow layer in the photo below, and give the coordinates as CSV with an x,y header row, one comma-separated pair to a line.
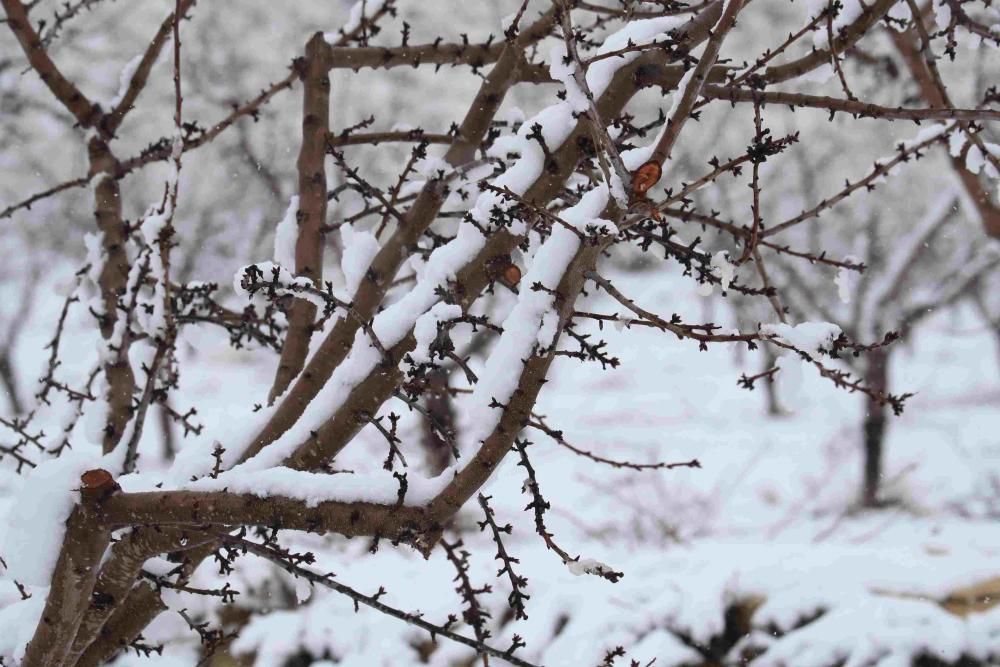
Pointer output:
x,y
556,123
362,9
525,322
810,337
360,247
124,79
287,235
36,522
426,329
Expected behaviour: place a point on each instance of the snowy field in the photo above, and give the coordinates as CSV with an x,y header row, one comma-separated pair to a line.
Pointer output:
x,y
733,534
760,552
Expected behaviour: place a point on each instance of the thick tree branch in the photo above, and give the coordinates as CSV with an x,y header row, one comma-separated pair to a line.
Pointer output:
x,y
87,113
311,215
75,573
113,119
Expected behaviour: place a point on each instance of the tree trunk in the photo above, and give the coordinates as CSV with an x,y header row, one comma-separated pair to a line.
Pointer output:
x,y
440,417
167,431
9,383
874,427
993,322
770,386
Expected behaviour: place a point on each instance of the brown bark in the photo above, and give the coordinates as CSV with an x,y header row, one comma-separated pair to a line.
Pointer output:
x,y
845,39
224,509
199,508
73,580
113,283
124,627
692,90
118,575
440,416
935,95
334,435
312,208
477,55
770,388
366,398
854,107
104,166
335,347
9,382
113,119
518,410
195,512
85,112
327,441
874,427
166,432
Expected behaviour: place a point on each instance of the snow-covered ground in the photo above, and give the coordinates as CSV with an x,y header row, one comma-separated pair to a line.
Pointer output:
x,y
760,552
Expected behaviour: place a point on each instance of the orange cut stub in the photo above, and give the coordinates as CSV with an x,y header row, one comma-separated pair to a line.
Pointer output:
x,y
645,177
96,479
97,484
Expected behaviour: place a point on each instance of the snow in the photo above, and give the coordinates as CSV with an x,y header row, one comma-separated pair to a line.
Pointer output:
x,y
523,326
432,167
151,316
36,522
362,9
124,79
810,337
95,417
847,280
925,134
360,247
974,159
942,14
771,519
636,157
18,621
754,523
318,628
426,329
94,243
548,330
285,279
315,488
872,630
956,142
820,75
618,192
287,235
390,326
587,566
849,13
512,115
994,150
909,246
556,123
563,69
790,376
901,13
641,32
722,269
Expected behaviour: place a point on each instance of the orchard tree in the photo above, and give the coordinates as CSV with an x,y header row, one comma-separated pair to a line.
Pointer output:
x,y
910,272
898,264
482,208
